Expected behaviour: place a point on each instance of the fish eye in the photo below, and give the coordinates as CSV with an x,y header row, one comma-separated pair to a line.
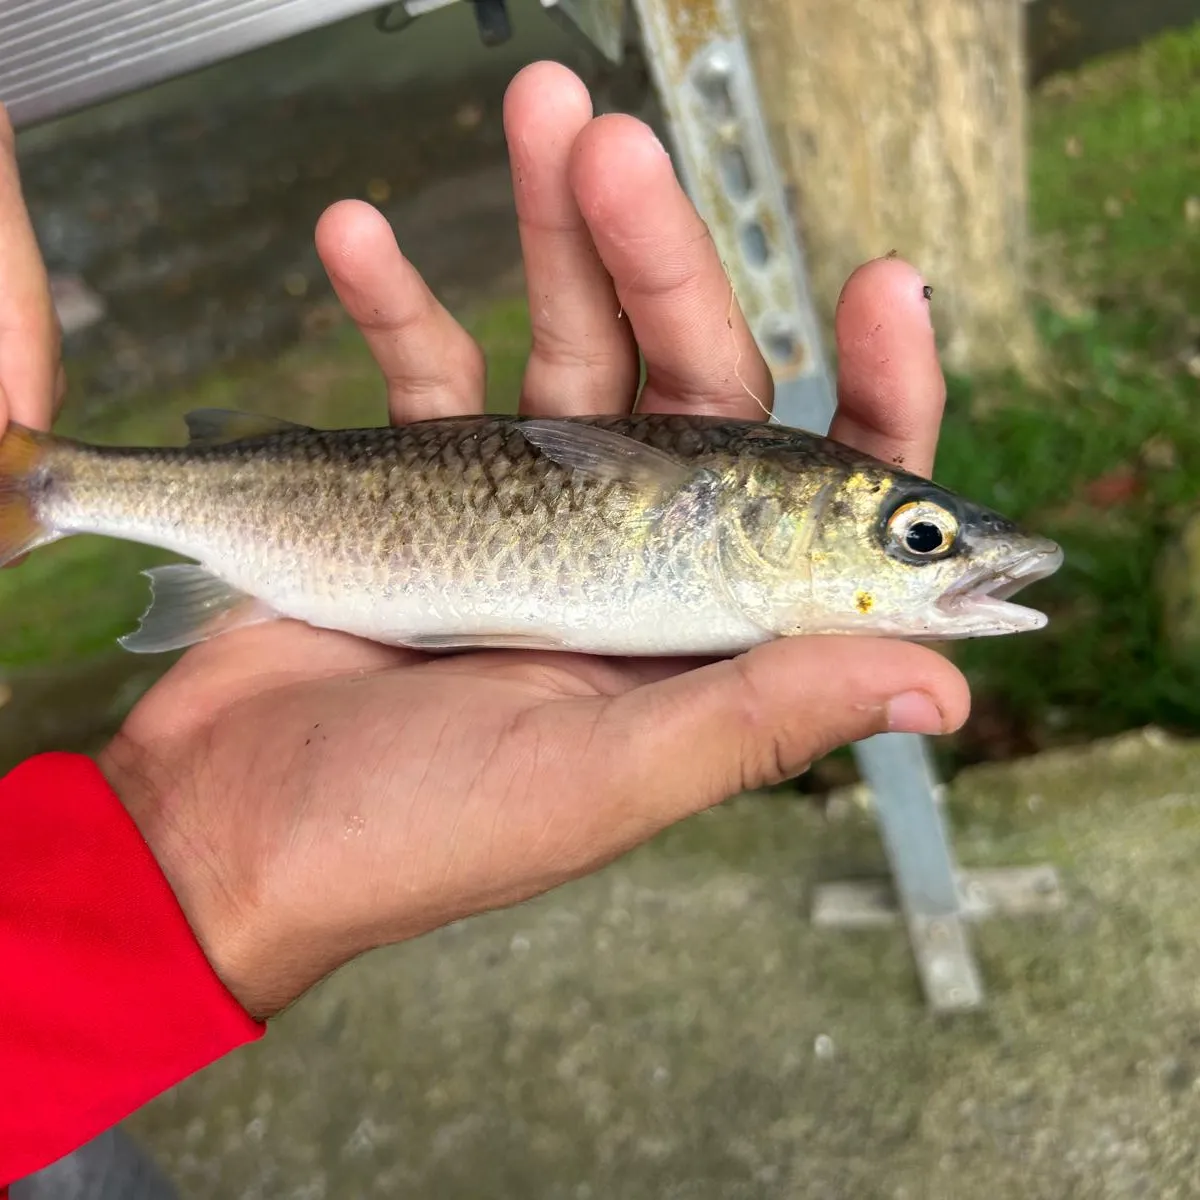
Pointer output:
x,y
923,537
923,529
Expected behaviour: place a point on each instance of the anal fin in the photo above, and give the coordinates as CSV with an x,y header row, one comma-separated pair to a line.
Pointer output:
x,y
189,604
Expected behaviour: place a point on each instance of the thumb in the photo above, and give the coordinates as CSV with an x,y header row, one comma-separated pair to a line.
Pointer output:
x,y
696,739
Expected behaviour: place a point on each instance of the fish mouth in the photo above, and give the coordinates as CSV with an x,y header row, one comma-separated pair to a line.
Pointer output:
x,y
981,600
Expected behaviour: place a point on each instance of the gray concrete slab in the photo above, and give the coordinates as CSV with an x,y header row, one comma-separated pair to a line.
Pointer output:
x,y
673,1027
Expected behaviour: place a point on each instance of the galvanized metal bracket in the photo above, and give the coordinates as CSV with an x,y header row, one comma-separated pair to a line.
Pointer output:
x,y
699,60
935,898
982,893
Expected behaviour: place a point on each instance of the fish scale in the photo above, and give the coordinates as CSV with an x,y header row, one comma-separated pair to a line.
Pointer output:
x,y
640,534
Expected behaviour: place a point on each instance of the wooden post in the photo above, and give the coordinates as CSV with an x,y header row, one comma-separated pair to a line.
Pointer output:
x,y
902,126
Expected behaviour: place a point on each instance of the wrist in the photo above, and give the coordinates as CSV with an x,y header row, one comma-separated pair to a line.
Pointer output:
x,y
256,942
219,919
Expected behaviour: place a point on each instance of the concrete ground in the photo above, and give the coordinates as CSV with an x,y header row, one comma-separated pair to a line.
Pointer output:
x,y
675,1027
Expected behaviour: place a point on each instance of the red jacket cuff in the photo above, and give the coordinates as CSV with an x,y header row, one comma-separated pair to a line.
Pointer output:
x,y
106,999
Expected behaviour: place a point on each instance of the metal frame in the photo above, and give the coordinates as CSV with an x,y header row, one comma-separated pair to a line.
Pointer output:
x,y
57,57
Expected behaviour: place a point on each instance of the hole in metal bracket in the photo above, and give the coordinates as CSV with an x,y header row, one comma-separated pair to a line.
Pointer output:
x,y
735,171
754,243
778,341
713,84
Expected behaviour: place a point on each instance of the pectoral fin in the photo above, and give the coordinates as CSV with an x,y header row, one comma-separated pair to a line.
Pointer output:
x,y
189,604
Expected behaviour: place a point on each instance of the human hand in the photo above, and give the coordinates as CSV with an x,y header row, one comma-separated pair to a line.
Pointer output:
x,y
311,796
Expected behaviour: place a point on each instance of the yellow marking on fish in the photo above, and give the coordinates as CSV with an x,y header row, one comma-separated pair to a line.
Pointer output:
x,y
864,602
858,482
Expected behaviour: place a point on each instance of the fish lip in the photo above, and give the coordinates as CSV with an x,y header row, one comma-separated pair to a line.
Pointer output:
x,y
984,594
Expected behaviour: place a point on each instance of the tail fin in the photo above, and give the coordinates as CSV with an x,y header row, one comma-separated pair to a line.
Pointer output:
x,y
21,450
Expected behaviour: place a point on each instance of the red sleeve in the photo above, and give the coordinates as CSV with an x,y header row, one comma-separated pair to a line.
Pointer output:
x,y
106,998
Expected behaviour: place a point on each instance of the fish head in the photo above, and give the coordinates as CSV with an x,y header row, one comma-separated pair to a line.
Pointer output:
x,y
878,552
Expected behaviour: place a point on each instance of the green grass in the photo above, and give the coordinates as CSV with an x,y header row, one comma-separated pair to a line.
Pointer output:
x,y
1115,172
1115,164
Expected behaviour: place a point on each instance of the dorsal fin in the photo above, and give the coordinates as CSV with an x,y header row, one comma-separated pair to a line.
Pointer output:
x,y
217,426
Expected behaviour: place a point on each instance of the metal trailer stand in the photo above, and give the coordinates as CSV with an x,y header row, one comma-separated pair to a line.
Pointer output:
x,y
702,70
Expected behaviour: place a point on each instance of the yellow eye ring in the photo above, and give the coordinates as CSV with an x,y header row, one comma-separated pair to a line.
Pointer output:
x,y
923,529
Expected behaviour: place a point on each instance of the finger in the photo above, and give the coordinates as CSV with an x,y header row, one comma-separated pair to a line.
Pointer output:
x,y
762,718
890,387
700,355
583,358
432,366
30,336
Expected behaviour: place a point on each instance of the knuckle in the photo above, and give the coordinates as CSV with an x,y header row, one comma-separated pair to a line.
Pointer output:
x,y
556,348
762,744
450,365
559,374
775,746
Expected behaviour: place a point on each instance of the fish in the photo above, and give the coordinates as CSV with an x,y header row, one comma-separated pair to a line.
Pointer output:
x,y
642,534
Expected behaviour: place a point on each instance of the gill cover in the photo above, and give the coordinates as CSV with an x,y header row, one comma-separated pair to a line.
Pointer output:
x,y
764,551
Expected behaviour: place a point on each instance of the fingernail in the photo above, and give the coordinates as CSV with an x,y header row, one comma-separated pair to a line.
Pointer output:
x,y
914,712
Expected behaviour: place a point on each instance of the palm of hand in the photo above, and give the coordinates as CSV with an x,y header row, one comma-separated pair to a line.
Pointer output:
x,y
382,767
